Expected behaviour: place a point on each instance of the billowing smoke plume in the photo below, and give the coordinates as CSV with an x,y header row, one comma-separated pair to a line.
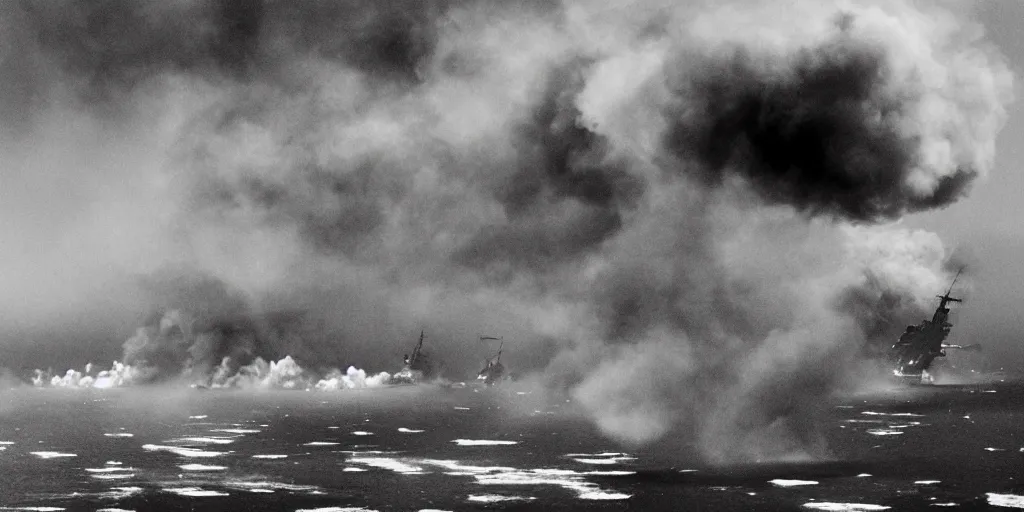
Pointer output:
x,y
672,206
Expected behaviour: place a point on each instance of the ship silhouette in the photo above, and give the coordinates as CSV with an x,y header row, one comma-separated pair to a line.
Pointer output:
x,y
915,351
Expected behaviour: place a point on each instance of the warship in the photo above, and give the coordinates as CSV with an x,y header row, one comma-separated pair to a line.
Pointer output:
x,y
417,367
917,348
493,369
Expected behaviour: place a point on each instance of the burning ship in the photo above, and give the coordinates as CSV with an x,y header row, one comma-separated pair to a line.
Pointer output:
x,y
915,351
493,369
417,367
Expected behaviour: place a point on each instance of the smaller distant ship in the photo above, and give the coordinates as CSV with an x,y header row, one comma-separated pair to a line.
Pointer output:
x,y
417,367
493,369
915,351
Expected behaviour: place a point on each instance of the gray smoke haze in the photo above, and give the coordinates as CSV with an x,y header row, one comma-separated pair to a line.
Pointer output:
x,y
672,208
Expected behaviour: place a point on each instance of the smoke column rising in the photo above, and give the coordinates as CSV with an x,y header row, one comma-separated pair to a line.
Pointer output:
x,y
679,208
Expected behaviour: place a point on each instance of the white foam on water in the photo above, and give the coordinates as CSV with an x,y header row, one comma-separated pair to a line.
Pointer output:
x,y
602,454
845,507
201,467
862,475
114,510
37,509
263,486
336,509
927,482
595,461
910,414
7,442
990,449
353,470
195,492
108,470
237,430
197,417
114,476
782,482
905,425
610,473
454,465
409,430
181,451
1005,500
362,433
120,493
52,455
863,421
880,432
269,456
202,440
949,504
608,461
321,443
599,495
481,442
565,478
496,498
333,428
989,391
119,434
432,510
461,408
113,463
385,463
687,470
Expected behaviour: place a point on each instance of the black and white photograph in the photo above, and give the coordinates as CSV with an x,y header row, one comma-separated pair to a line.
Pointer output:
x,y
512,255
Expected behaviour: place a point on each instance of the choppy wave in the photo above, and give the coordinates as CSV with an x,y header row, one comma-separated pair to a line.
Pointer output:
x,y
481,442
496,498
202,467
265,485
844,507
1005,500
336,509
34,509
182,451
782,482
52,455
202,440
195,492
385,463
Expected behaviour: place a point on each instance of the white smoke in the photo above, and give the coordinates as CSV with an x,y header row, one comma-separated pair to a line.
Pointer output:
x,y
675,205
285,374
119,375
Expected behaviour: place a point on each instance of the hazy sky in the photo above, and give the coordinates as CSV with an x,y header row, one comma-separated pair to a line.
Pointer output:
x,y
989,224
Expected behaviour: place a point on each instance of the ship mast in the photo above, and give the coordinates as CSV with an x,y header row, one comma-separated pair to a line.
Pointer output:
x,y
942,311
416,351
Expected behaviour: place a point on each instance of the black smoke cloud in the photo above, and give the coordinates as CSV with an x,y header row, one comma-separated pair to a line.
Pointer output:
x,y
674,208
823,129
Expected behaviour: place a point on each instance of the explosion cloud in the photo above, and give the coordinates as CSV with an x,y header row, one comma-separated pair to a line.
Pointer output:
x,y
677,207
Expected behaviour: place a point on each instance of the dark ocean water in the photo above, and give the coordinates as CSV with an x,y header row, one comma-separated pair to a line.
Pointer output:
x,y
920,448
